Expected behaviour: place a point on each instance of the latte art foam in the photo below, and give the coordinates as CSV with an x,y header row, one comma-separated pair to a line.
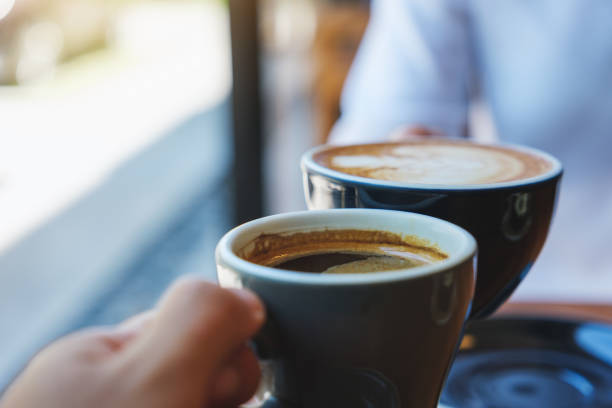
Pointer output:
x,y
434,162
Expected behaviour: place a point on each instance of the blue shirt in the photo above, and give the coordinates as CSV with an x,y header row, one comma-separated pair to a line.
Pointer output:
x,y
544,70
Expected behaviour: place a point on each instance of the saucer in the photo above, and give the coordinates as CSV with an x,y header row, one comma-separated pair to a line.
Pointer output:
x,y
524,363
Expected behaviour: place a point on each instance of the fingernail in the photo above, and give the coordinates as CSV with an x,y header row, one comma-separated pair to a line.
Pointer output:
x,y
253,301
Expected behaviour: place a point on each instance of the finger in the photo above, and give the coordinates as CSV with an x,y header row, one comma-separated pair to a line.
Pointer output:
x,y
238,380
87,346
132,327
416,132
113,338
197,329
138,322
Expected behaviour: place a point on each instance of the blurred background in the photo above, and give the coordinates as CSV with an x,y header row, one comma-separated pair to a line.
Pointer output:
x,y
120,158
134,133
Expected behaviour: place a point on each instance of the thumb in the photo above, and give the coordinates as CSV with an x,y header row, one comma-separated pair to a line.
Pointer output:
x,y
198,328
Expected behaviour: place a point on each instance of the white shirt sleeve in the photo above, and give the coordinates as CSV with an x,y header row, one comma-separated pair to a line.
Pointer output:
x,y
413,67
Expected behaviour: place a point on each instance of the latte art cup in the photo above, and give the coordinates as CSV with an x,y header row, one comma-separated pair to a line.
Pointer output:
x,y
383,339
508,209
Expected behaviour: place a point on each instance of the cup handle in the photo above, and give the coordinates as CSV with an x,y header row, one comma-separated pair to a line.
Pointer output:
x,y
267,347
264,398
274,403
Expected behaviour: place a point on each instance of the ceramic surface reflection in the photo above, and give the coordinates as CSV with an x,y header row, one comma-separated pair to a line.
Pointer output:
x,y
510,221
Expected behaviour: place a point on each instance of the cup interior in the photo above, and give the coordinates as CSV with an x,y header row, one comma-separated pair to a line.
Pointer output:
x,y
454,241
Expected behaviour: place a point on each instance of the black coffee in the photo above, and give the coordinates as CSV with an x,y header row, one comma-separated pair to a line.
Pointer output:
x,y
340,251
350,262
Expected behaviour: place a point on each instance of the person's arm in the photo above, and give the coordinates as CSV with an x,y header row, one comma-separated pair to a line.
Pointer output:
x,y
190,352
413,69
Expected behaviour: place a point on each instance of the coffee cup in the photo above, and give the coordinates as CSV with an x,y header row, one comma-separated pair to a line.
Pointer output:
x,y
503,195
383,339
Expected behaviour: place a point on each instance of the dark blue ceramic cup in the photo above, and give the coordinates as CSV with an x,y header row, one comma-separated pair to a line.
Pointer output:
x,y
383,340
510,220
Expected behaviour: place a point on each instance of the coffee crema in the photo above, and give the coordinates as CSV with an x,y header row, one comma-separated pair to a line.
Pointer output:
x,y
442,162
341,251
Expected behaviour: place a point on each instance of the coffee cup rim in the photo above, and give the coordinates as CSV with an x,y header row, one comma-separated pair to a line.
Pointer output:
x,y
225,254
307,162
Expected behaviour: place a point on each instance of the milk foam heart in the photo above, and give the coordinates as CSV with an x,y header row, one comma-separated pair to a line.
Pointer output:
x,y
435,162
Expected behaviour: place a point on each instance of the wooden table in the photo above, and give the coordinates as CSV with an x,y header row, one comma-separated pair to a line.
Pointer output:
x,y
580,311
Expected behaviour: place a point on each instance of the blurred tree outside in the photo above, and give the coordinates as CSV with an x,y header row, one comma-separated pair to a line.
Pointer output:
x,y
37,35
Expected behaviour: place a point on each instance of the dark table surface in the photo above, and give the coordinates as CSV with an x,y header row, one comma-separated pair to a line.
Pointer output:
x,y
601,312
